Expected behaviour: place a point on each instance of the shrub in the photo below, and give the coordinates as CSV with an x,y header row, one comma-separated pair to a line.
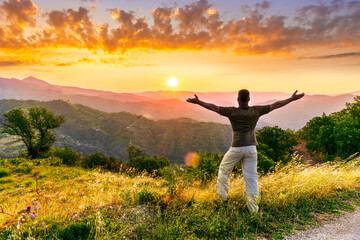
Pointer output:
x,y
276,143
69,156
264,163
99,159
207,168
24,167
139,160
76,230
51,161
145,196
96,159
4,172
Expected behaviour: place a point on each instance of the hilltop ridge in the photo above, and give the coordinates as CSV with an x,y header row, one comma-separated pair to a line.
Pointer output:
x,y
172,104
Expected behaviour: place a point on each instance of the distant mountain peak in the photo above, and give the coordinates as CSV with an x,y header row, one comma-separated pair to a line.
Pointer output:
x,y
37,81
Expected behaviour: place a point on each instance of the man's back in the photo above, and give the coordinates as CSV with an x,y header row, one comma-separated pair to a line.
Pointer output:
x,y
243,121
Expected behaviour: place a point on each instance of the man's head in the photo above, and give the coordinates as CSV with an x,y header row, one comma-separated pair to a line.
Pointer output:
x,y
243,96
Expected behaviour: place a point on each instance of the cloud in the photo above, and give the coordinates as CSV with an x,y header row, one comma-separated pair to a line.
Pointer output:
x,y
340,55
65,64
19,14
263,5
197,26
73,28
10,63
14,63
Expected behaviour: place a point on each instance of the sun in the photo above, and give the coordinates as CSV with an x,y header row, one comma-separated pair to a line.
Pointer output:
x,y
172,82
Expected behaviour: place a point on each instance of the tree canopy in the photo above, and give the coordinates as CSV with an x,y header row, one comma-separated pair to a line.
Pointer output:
x,y
33,128
335,135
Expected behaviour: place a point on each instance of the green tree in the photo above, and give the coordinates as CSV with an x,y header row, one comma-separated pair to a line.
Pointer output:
x,y
335,135
276,143
34,128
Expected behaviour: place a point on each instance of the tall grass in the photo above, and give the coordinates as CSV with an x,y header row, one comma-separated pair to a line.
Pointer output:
x,y
106,205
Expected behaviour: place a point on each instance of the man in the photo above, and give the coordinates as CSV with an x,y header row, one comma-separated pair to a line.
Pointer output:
x,y
243,121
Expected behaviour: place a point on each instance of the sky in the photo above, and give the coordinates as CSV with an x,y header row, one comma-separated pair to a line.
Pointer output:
x,y
207,45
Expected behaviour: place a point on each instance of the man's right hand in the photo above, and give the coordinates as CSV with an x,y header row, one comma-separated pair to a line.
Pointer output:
x,y
194,100
295,96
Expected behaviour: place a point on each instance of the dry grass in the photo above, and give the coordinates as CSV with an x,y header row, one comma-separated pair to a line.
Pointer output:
x,y
65,191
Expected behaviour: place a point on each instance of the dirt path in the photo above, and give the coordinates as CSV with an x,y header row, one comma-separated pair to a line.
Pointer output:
x,y
346,227
302,151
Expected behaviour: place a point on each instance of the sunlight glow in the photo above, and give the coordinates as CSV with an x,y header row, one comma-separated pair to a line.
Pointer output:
x,y
172,82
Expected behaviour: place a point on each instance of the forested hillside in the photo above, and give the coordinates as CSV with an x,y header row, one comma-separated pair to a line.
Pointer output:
x,y
87,130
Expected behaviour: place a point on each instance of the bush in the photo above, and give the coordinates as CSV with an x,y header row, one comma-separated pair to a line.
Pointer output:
x,y
276,143
264,163
139,160
69,156
98,159
4,172
76,230
24,167
146,197
50,161
207,168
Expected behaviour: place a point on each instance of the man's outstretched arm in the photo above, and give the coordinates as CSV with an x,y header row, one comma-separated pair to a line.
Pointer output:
x,y
282,103
209,106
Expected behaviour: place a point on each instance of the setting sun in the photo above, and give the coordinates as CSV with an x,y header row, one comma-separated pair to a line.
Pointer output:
x,y
172,82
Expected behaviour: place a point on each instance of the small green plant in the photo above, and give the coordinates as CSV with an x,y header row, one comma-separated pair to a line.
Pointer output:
x,y
146,197
4,172
24,167
207,167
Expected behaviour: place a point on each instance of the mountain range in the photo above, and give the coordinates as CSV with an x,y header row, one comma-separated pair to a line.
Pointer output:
x,y
172,104
87,130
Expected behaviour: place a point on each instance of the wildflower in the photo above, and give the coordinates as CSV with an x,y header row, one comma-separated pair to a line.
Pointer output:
x,y
31,216
35,208
28,209
23,215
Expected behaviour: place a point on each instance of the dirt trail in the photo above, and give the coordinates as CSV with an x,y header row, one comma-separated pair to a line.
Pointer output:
x,y
302,151
346,227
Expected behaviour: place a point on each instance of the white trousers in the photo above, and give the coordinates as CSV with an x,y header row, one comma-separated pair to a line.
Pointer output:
x,y
248,157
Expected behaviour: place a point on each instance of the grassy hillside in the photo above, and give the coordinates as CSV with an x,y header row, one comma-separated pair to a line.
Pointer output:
x,y
80,204
87,130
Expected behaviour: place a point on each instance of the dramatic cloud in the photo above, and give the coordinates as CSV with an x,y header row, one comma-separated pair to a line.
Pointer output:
x,y
70,27
340,55
197,26
19,14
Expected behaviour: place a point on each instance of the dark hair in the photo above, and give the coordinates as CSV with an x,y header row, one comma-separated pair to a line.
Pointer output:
x,y
244,95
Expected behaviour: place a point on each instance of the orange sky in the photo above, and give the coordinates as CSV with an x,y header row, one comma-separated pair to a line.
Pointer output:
x,y
133,53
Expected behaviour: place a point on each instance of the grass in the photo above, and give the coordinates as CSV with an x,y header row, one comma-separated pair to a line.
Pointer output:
x,y
91,204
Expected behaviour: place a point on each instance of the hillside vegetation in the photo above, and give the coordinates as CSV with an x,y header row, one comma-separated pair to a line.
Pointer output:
x,y
77,203
67,195
334,135
87,130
